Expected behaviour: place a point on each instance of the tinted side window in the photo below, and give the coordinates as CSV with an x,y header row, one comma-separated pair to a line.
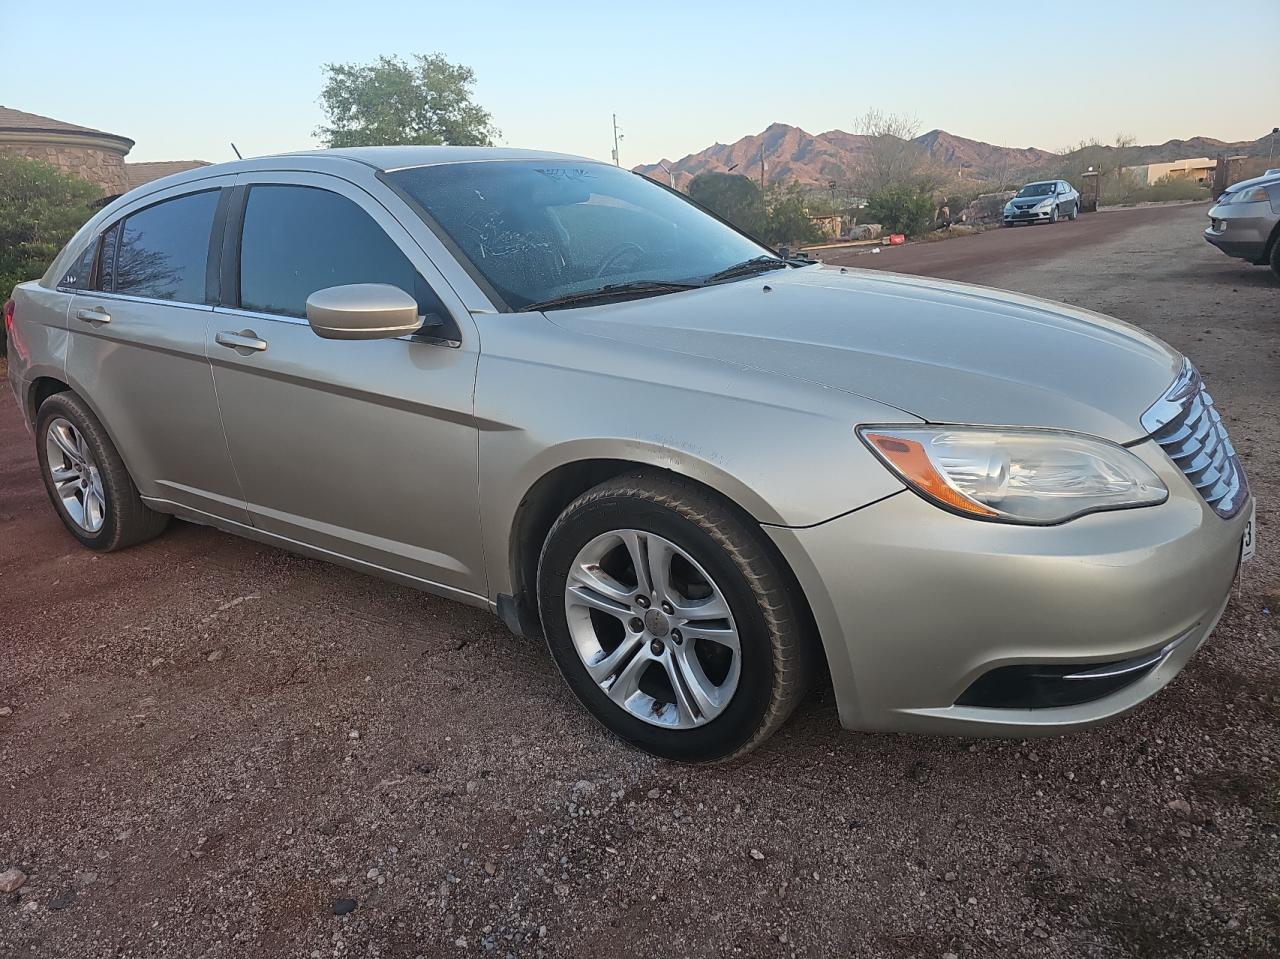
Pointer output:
x,y
298,239
164,249
81,272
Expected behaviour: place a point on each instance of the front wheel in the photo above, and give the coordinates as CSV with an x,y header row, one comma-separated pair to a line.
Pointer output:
x,y
1053,215
1275,256
1075,211
671,620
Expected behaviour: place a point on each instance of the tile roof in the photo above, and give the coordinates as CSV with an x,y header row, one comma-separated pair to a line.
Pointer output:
x,y
140,173
18,121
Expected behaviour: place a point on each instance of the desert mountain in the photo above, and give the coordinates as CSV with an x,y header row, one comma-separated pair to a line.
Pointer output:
x,y
792,155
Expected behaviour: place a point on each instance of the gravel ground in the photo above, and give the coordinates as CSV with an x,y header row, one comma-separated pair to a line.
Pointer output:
x,y
209,747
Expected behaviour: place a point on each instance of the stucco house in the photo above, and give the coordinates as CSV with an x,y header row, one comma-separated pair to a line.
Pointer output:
x,y
92,155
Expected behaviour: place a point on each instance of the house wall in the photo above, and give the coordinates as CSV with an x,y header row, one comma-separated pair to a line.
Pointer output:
x,y
96,163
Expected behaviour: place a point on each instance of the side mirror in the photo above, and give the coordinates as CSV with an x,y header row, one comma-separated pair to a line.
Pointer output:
x,y
362,311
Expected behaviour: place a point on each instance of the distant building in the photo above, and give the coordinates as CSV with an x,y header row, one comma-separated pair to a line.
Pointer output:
x,y
1199,169
828,227
92,155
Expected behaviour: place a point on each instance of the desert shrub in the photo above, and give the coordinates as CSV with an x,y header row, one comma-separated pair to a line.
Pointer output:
x,y
901,209
1175,188
787,220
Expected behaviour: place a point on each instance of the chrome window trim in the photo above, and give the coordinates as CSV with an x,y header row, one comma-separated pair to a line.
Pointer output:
x,y
130,298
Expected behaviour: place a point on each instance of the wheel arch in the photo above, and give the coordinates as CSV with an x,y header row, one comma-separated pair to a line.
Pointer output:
x,y
46,385
552,492
1272,240
40,389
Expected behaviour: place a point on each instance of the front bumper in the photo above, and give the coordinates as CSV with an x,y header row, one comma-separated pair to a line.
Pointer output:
x,y
1027,216
1241,230
914,604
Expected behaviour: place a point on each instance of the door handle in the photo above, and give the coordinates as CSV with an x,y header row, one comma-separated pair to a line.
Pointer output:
x,y
98,314
245,340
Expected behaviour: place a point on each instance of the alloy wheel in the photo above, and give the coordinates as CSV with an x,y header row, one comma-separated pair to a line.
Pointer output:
x,y
653,629
75,475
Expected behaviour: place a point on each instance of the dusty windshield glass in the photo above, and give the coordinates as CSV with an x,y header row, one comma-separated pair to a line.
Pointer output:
x,y
541,229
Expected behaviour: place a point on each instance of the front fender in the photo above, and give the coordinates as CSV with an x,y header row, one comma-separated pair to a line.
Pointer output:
x,y
781,448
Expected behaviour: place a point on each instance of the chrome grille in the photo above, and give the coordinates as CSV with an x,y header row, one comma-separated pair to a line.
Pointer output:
x,y
1190,430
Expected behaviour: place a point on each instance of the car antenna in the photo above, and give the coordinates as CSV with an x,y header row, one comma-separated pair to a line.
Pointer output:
x,y
237,152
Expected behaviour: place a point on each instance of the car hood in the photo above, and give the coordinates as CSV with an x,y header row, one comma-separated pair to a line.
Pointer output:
x,y
1265,180
942,351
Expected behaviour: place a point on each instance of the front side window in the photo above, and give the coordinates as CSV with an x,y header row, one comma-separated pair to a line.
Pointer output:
x,y
539,229
300,239
164,249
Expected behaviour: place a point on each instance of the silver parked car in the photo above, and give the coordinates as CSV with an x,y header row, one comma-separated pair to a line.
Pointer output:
x,y
556,390
1245,222
1045,201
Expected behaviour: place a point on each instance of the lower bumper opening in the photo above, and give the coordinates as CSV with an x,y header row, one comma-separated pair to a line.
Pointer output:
x,y
1045,685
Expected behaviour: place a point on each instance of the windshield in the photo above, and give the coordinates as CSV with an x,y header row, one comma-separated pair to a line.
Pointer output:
x,y
539,230
1037,189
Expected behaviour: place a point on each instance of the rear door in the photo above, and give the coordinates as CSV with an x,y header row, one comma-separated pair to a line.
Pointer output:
x,y
137,348
363,449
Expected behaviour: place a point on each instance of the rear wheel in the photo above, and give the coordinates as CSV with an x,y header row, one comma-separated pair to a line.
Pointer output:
x,y
670,620
87,481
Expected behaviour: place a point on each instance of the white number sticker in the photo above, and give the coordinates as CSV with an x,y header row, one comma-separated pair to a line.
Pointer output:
x,y
1249,545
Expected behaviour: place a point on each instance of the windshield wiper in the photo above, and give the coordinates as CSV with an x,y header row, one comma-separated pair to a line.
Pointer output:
x,y
610,291
757,264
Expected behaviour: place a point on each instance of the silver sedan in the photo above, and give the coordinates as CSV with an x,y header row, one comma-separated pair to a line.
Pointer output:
x,y
705,474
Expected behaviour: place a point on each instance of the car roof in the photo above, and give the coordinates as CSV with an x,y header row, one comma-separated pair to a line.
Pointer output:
x,y
388,158
383,159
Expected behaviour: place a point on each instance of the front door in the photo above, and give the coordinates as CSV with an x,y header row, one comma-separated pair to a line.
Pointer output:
x,y
362,449
137,349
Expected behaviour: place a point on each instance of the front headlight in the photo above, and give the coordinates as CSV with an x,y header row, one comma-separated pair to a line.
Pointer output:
x,y
1009,208
1028,476
1044,204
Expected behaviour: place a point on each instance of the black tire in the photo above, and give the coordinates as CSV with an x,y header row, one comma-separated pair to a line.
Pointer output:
x,y
776,639
1275,256
1075,211
1053,215
127,521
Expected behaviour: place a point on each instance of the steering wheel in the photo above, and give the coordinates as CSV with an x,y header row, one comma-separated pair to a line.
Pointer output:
x,y
619,252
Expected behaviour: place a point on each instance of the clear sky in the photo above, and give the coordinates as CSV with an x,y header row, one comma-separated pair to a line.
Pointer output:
x,y
184,80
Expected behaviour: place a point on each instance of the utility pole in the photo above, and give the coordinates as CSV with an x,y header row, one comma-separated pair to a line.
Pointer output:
x,y
761,167
1272,149
616,138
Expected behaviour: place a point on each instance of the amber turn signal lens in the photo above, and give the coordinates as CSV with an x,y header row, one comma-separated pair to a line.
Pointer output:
x,y
913,464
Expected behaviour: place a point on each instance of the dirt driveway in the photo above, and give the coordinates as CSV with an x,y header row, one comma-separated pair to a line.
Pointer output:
x,y
212,743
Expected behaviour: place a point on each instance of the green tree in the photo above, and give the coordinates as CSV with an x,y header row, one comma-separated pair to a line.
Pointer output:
x,y
40,209
427,101
733,197
788,218
901,209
